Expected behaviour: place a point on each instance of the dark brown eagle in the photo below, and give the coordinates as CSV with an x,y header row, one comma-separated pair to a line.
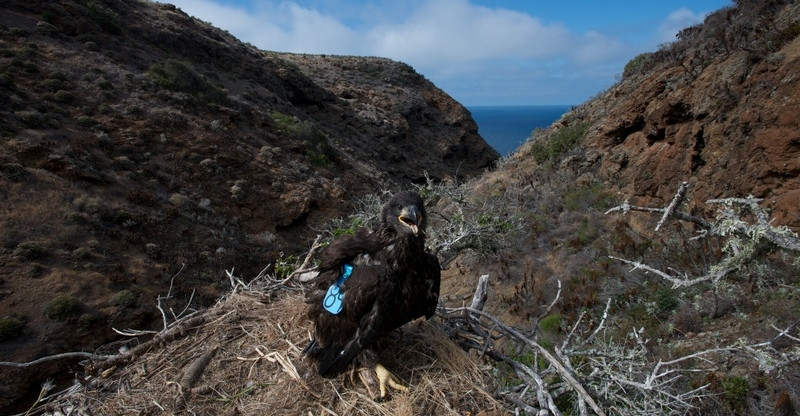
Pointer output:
x,y
369,284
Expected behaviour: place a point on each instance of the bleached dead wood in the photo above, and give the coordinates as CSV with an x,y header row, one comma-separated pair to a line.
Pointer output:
x,y
66,355
481,293
742,237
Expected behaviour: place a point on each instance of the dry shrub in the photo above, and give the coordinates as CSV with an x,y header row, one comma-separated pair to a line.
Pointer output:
x,y
245,358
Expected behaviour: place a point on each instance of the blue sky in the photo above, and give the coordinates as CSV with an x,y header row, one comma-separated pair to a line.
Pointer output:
x,y
481,52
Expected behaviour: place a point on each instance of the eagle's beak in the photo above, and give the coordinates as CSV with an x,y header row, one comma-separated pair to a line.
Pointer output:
x,y
411,217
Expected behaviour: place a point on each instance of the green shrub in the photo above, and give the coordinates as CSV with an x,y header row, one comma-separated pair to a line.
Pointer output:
x,y
551,323
62,308
635,65
10,328
566,138
588,196
29,250
50,84
560,142
63,96
14,172
82,254
180,76
180,200
86,121
735,392
540,152
87,320
6,80
124,299
318,149
666,301
34,270
285,266
106,18
31,118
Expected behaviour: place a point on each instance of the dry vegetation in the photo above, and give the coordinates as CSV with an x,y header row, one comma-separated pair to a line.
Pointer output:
x,y
243,356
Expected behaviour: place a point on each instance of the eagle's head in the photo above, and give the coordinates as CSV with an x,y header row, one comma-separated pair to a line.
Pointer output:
x,y
405,212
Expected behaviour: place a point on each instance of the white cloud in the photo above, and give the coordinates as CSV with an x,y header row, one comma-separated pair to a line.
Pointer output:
x,y
455,32
677,20
594,47
455,43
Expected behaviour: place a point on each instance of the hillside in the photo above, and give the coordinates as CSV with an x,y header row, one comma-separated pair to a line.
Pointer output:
x,y
590,310
715,109
137,143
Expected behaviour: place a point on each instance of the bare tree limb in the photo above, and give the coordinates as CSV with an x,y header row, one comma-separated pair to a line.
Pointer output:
x,y
677,281
675,201
574,384
56,357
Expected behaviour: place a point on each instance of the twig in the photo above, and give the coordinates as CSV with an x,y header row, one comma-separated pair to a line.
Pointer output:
x,y
304,266
168,296
555,299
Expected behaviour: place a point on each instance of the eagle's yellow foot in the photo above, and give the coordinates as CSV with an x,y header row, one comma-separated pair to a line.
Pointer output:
x,y
385,377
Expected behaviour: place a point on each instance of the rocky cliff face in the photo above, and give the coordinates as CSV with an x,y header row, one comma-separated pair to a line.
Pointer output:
x,y
718,108
139,144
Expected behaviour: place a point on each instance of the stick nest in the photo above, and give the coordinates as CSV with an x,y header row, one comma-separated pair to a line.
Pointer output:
x,y
244,356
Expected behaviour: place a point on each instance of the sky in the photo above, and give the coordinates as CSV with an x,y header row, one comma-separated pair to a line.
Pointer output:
x,y
481,52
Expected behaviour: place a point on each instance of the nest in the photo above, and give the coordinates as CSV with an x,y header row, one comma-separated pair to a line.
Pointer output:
x,y
244,356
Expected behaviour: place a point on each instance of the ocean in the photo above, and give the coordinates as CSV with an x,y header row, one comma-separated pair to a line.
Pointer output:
x,y
505,128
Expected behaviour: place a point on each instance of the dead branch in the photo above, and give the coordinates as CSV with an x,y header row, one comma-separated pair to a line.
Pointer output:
x,y
175,330
677,281
675,201
193,372
304,267
780,236
85,355
480,296
576,386
667,212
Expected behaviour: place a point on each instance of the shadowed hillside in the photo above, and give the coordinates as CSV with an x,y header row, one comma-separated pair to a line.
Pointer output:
x,y
137,143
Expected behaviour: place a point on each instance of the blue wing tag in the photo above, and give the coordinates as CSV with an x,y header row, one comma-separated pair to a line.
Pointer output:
x,y
333,298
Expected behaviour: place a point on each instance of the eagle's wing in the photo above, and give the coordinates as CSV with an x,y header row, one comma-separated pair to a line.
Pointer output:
x,y
433,278
340,337
345,248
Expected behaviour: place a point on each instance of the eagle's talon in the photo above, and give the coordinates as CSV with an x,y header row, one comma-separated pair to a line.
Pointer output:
x,y
384,378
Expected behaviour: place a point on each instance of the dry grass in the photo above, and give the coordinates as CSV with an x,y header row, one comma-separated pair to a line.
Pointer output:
x,y
245,358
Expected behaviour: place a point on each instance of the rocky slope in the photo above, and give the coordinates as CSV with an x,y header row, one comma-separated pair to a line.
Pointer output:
x,y
139,144
716,109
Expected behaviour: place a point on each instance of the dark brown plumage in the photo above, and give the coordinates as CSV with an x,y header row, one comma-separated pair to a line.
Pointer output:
x,y
393,281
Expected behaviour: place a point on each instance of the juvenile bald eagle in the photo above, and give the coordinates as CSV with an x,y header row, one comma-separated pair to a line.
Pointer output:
x,y
371,283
